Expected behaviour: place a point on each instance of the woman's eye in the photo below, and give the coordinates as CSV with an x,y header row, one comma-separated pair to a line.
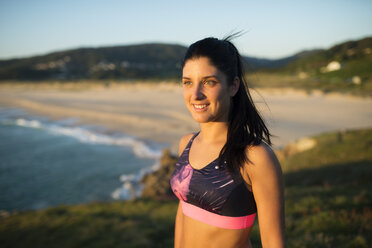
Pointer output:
x,y
186,83
210,83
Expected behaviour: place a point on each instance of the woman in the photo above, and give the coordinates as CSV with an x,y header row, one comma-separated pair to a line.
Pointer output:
x,y
226,172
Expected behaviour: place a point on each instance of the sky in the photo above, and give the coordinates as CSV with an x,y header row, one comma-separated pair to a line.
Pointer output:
x,y
272,28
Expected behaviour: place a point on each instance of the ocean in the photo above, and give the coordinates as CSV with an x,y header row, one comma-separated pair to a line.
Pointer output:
x,y
47,163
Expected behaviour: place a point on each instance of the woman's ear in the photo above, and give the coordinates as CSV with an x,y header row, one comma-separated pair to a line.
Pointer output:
x,y
235,86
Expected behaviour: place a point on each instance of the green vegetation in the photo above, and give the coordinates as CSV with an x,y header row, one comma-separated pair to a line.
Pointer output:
x,y
275,80
351,71
138,223
328,204
145,61
355,58
329,192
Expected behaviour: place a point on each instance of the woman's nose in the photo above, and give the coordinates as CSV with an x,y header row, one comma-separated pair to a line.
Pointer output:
x,y
197,93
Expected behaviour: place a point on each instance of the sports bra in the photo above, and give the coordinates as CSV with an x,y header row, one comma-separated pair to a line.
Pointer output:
x,y
212,194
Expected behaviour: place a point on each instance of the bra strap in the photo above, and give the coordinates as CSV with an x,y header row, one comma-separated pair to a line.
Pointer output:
x,y
191,140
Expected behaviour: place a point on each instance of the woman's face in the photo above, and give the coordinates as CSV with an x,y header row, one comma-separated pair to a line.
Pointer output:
x,y
205,90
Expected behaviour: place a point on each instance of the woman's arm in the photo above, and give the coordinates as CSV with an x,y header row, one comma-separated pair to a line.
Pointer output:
x,y
265,173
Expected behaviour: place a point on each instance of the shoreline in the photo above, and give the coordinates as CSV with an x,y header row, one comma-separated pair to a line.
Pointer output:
x,y
120,118
42,144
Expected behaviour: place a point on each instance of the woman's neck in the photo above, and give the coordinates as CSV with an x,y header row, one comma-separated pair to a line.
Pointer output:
x,y
213,132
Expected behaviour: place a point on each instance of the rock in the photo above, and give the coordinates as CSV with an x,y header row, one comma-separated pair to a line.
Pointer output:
x,y
297,146
4,214
356,80
156,184
332,66
303,75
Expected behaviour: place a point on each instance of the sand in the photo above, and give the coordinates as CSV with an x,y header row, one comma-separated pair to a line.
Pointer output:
x,y
157,112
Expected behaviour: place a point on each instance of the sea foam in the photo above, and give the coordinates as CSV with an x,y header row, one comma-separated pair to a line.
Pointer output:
x,y
139,148
132,187
131,183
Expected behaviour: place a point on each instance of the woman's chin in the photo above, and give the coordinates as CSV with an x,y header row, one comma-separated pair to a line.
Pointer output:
x,y
200,119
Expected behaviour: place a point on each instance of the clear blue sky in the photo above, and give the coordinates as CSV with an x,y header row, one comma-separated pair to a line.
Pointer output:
x,y
275,28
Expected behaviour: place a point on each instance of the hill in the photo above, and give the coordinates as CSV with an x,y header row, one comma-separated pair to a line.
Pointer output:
x,y
348,61
254,64
142,61
133,61
328,204
344,68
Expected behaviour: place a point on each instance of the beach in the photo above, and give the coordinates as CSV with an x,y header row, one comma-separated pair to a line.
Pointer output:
x,y
156,111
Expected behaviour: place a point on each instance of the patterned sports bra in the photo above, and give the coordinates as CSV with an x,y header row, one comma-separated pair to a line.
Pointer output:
x,y
212,195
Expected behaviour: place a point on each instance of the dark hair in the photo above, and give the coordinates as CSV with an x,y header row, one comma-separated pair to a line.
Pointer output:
x,y
245,125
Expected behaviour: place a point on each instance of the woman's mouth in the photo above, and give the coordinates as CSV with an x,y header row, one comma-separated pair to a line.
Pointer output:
x,y
200,107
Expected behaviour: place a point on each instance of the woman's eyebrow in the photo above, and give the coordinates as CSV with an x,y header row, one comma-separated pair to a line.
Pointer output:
x,y
212,76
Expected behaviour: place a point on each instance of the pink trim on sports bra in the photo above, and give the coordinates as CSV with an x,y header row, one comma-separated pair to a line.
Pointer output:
x,y
217,220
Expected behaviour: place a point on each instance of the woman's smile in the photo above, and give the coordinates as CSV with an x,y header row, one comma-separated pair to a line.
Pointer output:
x,y
200,107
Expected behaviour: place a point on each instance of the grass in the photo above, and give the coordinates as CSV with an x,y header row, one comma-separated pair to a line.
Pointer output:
x,y
138,223
325,84
329,192
328,197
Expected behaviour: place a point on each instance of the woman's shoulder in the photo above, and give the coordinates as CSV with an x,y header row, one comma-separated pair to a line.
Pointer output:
x,y
261,160
261,151
183,142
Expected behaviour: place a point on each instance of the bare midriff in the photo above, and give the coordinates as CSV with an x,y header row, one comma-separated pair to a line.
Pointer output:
x,y
198,234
